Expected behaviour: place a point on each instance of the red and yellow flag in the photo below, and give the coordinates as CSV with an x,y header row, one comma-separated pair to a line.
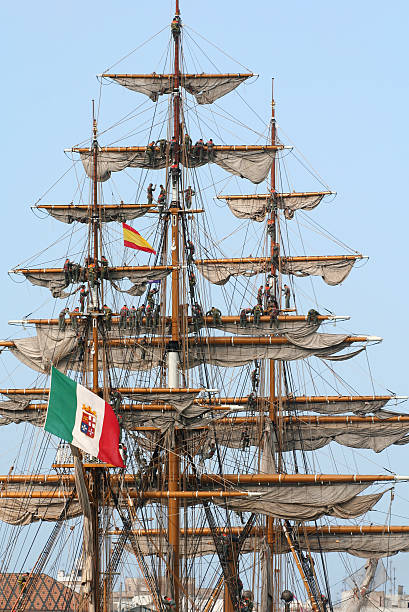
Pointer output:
x,y
134,240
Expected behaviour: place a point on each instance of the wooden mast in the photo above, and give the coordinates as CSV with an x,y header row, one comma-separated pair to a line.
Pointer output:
x,y
94,476
173,453
273,414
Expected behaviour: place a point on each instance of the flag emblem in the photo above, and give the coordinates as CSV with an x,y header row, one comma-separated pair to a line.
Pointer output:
x,y
83,419
88,421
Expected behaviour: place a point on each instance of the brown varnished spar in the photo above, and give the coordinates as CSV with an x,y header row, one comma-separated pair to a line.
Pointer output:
x,y
206,319
260,531
263,196
210,479
211,341
107,207
115,268
267,260
215,148
308,420
201,75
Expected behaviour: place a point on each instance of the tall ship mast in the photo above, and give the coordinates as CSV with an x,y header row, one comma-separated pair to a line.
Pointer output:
x,y
211,367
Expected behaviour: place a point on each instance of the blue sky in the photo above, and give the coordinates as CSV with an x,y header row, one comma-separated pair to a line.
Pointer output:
x,y
341,86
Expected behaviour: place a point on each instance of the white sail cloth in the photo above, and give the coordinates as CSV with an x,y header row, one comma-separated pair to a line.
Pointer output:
x,y
72,213
187,418
307,503
63,351
256,208
359,407
312,436
267,328
219,273
191,545
55,280
374,546
17,412
332,272
24,511
49,346
206,89
251,164
371,545
232,355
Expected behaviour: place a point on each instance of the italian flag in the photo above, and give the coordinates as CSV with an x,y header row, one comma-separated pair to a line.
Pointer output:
x,y
83,419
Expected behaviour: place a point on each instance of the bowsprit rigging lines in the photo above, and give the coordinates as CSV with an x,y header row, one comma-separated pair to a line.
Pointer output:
x,y
185,294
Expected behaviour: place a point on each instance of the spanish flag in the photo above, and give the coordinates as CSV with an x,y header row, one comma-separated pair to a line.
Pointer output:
x,y
134,240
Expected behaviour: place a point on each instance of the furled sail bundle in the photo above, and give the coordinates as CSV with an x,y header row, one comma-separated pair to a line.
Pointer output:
x,y
247,161
371,545
309,502
310,436
55,279
206,88
332,269
64,351
69,213
255,207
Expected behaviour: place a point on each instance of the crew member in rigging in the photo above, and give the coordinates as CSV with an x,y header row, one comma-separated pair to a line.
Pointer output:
x,y
92,274
116,399
287,295
61,319
149,315
104,267
216,314
260,295
257,312
140,315
199,150
189,193
191,252
151,188
162,197
67,271
123,317
254,379
74,318
150,153
210,150
187,143
83,295
274,310
192,283
243,316
132,318
151,296
175,26
197,315
162,143
107,312
172,149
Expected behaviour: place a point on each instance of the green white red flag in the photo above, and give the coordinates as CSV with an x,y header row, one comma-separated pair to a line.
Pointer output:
x,y
82,418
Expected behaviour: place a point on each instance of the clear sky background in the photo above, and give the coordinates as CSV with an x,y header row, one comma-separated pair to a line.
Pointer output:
x,y
341,84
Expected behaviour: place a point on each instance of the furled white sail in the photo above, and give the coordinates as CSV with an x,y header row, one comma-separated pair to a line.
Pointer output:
x,y
206,88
